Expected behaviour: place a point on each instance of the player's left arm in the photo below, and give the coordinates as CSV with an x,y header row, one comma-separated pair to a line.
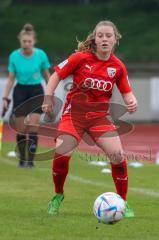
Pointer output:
x,y
46,75
125,89
130,101
45,65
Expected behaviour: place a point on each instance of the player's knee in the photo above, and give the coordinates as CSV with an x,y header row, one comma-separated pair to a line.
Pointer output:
x,y
116,157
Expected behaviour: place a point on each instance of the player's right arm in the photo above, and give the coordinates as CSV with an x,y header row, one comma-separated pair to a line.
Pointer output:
x,y
8,87
53,82
62,71
11,78
9,84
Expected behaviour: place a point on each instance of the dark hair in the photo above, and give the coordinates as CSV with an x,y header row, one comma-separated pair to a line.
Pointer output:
x,y
89,43
28,29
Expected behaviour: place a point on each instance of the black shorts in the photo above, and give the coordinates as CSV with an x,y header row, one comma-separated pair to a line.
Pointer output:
x,y
27,99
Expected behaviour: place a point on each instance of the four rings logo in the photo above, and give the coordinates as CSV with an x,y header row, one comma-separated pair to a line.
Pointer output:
x,y
100,85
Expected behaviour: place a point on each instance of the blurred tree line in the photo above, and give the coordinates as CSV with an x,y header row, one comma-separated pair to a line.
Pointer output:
x,y
144,4
126,5
58,25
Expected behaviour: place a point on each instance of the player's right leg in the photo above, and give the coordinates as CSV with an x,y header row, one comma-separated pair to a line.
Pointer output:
x,y
65,144
21,145
21,141
17,121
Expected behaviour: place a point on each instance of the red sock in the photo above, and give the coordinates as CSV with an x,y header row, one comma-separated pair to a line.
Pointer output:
x,y
60,166
120,177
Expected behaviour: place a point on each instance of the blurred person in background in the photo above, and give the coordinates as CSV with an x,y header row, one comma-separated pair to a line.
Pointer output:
x,y
28,67
95,70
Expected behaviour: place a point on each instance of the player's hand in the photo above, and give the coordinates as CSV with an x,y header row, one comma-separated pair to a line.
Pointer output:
x,y
132,105
47,105
6,102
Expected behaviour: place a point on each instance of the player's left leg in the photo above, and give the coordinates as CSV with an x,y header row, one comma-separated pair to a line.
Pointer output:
x,y
32,130
113,149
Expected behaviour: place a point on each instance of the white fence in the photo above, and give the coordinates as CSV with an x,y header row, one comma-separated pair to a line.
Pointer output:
x,y
146,90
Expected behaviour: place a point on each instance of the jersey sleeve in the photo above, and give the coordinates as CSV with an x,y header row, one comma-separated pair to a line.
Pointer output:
x,y
45,61
11,65
122,82
67,67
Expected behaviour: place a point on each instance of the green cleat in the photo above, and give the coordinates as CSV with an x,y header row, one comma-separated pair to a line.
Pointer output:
x,y
54,204
128,212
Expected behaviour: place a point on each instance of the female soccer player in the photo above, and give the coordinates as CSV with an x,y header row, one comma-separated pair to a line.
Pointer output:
x,y
95,70
29,66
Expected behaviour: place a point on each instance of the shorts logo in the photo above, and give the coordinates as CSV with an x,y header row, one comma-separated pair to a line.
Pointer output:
x,y
111,72
100,85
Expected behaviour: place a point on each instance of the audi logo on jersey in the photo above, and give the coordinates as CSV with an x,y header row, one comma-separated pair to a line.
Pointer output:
x,y
100,85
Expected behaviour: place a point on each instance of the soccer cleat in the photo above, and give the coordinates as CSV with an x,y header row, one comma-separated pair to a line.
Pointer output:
x,y
21,164
54,204
128,211
30,164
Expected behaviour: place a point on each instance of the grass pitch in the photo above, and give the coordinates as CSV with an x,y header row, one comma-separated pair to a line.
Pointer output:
x,y
24,195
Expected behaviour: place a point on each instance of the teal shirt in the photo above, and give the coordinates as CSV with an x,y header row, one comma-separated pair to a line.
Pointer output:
x,y
28,70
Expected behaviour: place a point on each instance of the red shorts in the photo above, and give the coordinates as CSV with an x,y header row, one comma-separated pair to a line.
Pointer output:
x,y
77,126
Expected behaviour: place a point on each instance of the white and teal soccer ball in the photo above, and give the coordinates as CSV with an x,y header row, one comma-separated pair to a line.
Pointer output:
x,y
109,208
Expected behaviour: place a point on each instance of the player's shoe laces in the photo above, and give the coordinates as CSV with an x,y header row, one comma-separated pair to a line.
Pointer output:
x,y
54,204
128,212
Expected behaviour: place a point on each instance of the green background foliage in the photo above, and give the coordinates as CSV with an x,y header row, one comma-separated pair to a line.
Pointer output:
x,y
59,25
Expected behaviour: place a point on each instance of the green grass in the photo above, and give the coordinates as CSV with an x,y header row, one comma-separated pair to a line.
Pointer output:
x,y
24,195
59,25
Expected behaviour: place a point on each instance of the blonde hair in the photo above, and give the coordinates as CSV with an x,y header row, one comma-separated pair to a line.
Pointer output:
x,y
27,29
89,43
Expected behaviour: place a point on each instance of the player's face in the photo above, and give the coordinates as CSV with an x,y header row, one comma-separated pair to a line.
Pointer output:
x,y
27,42
104,39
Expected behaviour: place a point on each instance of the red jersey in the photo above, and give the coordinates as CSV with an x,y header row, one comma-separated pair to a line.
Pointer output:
x,y
93,77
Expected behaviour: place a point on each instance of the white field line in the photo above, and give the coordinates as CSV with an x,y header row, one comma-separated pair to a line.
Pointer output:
x,y
143,191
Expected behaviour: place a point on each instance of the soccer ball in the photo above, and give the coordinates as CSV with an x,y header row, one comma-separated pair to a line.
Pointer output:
x,y
109,208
